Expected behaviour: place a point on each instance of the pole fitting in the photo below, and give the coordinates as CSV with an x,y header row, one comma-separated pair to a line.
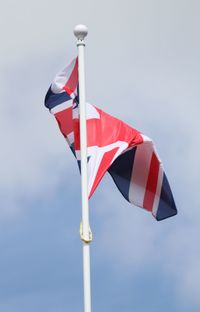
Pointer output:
x,y
84,239
80,32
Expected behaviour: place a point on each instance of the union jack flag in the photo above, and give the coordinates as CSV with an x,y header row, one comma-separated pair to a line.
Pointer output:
x,y
129,156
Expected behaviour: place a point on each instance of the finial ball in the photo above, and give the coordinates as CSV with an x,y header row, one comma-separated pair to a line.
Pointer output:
x,y
80,31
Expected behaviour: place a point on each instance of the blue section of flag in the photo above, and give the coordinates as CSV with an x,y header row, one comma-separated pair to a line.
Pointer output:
x,y
54,99
73,149
121,171
166,206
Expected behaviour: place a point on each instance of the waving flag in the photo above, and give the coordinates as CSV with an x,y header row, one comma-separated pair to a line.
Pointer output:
x,y
128,155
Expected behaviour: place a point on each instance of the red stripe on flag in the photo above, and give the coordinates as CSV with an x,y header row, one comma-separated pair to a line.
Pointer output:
x,y
107,130
65,121
151,183
105,163
72,82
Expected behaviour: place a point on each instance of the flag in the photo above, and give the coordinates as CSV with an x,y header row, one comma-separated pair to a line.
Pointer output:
x,y
128,155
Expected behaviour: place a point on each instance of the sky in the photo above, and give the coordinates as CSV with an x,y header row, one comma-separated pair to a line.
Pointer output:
x,y
142,66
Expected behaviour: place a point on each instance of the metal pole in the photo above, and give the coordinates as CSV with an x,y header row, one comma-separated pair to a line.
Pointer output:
x,y
80,31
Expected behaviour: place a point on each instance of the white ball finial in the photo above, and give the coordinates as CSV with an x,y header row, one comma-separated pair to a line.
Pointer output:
x,y
80,31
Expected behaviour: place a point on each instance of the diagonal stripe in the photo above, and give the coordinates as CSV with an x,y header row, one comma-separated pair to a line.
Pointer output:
x,y
65,121
61,107
72,82
105,163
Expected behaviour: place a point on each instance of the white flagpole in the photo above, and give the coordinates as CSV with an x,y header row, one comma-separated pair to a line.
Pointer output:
x,y
80,31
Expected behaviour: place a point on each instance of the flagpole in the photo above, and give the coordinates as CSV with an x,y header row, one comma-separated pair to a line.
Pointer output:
x,y
80,31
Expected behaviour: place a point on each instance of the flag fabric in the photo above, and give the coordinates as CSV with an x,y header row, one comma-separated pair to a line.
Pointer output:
x,y
129,156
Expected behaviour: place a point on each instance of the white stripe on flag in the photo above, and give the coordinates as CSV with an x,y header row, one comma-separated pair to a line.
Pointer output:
x,y
140,172
70,138
62,77
75,113
158,191
91,112
61,107
97,153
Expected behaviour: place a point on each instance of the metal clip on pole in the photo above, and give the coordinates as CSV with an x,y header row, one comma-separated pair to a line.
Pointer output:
x,y
87,241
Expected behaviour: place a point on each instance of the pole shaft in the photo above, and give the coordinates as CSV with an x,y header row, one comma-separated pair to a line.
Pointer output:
x,y
83,142
84,178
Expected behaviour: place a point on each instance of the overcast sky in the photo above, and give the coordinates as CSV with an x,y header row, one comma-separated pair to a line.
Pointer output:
x,y
142,65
